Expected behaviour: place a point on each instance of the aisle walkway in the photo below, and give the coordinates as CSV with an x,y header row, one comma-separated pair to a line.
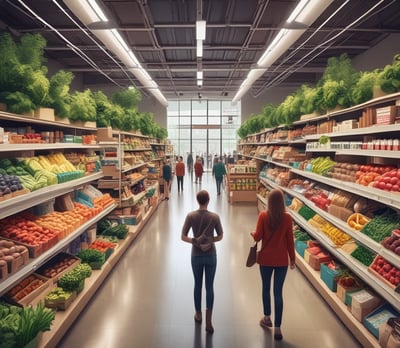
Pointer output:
x,y
146,302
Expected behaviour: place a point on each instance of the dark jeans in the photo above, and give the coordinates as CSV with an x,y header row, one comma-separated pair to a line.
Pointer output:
x,y
179,180
204,264
218,180
279,279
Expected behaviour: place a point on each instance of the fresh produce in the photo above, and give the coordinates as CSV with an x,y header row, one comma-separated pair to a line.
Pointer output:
x,y
33,321
301,235
344,172
386,270
319,197
337,236
19,326
364,255
381,226
306,212
9,184
108,227
74,279
53,268
320,165
388,181
393,242
25,287
102,245
58,295
368,174
357,221
91,255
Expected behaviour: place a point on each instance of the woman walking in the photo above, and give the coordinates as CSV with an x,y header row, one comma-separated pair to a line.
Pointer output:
x,y
198,170
204,255
275,230
167,176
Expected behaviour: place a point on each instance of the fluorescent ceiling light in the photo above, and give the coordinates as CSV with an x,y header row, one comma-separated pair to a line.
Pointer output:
x,y
88,11
199,51
306,12
199,75
97,9
300,7
200,30
120,39
199,83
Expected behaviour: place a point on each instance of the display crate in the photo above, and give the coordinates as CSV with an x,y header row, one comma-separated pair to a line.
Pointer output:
x,y
61,303
364,302
329,276
300,247
59,265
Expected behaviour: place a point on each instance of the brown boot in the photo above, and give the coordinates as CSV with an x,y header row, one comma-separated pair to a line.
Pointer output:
x,y
209,327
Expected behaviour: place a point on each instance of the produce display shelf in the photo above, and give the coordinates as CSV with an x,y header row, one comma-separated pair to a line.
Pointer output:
x,y
124,170
117,132
362,334
25,201
384,197
354,265
64,319
55,146
138,149
362,238
34,264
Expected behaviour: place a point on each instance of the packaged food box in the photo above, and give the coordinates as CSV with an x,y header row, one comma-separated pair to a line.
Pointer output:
x,y
378,317
364,302
316,260
329,276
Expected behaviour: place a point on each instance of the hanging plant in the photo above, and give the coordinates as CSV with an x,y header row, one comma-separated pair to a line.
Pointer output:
x,y
389,78
364,87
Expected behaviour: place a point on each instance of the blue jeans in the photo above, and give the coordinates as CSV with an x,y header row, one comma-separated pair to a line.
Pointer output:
x,y
204,264
279,279
218,180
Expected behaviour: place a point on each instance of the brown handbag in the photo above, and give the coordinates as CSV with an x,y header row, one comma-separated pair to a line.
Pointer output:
x,y
252,257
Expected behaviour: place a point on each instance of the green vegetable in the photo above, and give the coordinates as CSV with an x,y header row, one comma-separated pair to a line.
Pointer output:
x,y
306,212
381,226
83,106
364,255
91,255
107,227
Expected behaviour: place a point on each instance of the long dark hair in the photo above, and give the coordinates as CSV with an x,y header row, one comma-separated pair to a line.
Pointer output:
x,y
276,209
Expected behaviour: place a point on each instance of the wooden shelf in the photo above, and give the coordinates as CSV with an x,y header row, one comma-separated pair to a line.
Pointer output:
x,y
64,319
366,338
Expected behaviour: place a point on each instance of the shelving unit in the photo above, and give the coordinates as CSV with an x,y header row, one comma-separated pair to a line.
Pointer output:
x,y
241,183
64,319
256,149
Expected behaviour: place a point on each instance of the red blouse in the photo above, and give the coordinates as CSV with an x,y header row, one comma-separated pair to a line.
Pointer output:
x,y
277,249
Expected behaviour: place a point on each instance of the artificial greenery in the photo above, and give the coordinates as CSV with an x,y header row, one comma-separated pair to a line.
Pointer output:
x,y
364,87
389,78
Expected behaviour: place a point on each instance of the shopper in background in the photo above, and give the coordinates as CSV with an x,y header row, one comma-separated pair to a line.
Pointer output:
x,y
219,171
275,230
189,163
180,173
198,170
204,255
166,175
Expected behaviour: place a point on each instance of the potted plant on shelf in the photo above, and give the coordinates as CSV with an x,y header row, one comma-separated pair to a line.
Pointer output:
x,y
59,97
23,82
364,88
337,83
108,113
83,109
389,78
324,142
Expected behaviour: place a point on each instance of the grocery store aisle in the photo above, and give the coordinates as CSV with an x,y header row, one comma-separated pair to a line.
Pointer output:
x,y
146,302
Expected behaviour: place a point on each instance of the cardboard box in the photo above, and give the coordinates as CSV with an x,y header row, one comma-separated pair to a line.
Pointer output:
x,y
329,276
104,134
300,247
316,260
364,302
110,171
386,115
378,317
342,292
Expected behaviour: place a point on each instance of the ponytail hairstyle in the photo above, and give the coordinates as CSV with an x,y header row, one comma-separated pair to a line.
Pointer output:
x,y
276,209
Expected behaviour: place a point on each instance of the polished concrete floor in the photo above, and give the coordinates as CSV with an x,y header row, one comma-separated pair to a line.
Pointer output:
x,y
146,302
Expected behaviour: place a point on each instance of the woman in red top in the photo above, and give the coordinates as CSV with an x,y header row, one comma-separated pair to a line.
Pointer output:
x,y
275,230
180,173
198,169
